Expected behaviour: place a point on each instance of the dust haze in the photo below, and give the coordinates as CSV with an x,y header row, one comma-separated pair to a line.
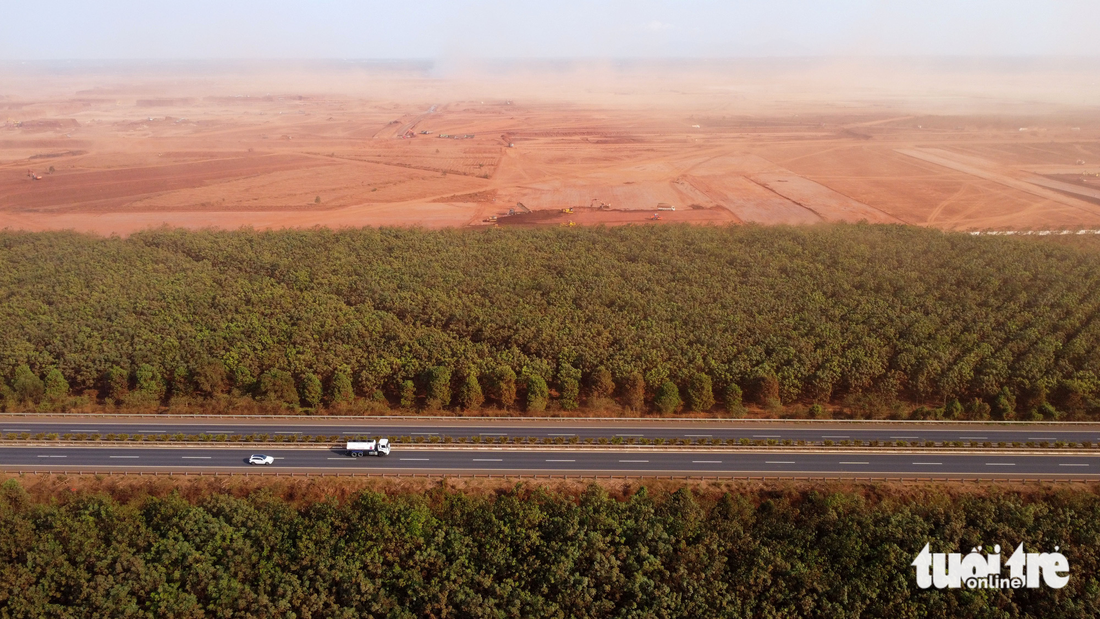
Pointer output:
x,y
954,143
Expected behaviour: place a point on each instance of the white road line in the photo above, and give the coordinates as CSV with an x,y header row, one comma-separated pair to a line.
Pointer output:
x,y
1072,465
123,456
338,458
1042,438
153,431
629,435
196,457
493,434
974,437
431,433
561,435
487,460
855,462
83,430
929,463
286,433
635,461
904,437
706,462
52,456
779,462
414,459
765,436
699,435
1000,464
561,460
834,436
15,430
364,432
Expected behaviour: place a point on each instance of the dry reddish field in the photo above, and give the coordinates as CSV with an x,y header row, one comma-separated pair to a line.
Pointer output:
x,y
114,150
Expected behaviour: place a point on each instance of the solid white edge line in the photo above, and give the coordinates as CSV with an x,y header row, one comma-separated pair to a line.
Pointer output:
x,y
488,460
780,462
930,463
1072,464
561,460
855,463
706,462
123,456
634,461
1000,464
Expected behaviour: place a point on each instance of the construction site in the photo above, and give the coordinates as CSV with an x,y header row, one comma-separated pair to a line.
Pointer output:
x,y
114,152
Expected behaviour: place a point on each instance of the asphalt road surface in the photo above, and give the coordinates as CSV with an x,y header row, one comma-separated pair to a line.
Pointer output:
x,y
567,429
577,462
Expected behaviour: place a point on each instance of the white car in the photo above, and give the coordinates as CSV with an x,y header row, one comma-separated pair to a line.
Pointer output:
x,y
260,459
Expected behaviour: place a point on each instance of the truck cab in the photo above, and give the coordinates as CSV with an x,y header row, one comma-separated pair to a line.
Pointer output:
x,y
358,449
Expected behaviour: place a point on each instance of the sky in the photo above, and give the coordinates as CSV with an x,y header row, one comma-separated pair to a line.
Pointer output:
x,y
448,29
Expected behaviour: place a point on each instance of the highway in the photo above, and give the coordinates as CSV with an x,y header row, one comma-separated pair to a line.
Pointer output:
x,y
566,429
579,462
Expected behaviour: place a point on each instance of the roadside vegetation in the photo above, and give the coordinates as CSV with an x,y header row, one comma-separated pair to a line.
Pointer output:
x,y
855,321
95,547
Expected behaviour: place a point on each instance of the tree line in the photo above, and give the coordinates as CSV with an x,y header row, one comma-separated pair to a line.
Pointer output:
x,y
644,318
532,553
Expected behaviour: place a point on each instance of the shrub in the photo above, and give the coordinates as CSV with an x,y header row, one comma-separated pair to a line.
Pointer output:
x,y
408,394
504,386
340,389
469,393
569,381
538,394
667,398
116,383
634,392
602,384
700,395
437,387
277,386
312,391
28,388
56,387
732,399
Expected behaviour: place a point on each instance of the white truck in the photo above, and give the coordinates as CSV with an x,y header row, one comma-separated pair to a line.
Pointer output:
x,y
381,447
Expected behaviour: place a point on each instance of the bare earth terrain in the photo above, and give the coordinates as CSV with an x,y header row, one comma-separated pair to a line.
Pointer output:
x,y
118,149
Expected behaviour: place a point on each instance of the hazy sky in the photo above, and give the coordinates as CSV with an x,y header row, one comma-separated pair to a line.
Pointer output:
x,y
169,29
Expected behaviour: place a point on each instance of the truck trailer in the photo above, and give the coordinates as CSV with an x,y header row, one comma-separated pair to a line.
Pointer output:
x,y
381,447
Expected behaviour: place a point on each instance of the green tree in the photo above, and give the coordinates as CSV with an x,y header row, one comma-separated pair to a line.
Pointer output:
x,y
1004,405
408,394
767,389
469,393
210,377
56,387
277,386
116,384
700,393
569,381
312,390
505,387
538,394
732,400
28,388
437,386
149,384
340,390
634,392
667,398
602,384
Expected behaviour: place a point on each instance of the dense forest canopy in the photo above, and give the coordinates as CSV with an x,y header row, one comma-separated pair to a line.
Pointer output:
x,y
667,318
532,554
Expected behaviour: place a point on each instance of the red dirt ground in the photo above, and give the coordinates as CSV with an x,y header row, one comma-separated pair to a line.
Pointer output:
x,y
118,152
